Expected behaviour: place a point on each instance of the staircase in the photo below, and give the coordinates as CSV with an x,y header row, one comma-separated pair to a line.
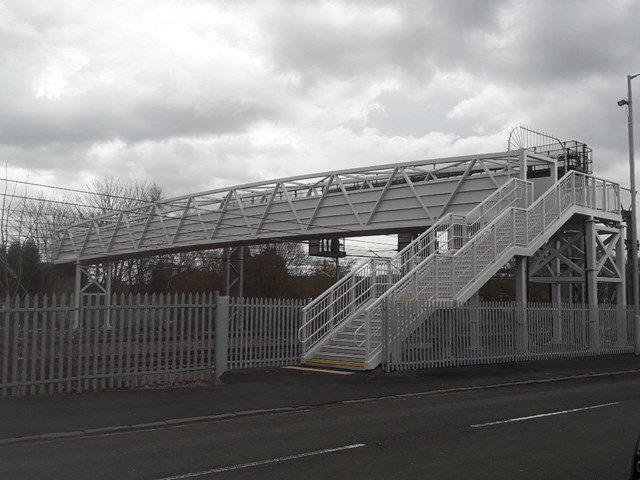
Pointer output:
x,y
335,330
342,349
449,262
457,275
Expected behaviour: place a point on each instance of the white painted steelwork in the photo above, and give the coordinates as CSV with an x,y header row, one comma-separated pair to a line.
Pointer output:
x,y
139,340
388,198
492,332
458,274
562,259
338,308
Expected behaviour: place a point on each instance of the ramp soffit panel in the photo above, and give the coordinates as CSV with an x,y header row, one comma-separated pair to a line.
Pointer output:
x,y
349,202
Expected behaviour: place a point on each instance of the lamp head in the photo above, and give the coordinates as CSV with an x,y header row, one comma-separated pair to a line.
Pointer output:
x,y
622,102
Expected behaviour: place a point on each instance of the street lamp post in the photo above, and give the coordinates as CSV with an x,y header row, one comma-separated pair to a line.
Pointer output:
x,y
634,218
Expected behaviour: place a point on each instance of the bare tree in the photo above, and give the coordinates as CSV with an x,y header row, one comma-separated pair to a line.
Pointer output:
x,y
108,195
293,253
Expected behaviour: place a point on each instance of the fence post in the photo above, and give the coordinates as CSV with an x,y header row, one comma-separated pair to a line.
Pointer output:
x,y
222,337
78,296
107,298
474,323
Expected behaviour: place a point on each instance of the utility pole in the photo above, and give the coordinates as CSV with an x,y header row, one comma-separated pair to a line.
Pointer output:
x,y
634,219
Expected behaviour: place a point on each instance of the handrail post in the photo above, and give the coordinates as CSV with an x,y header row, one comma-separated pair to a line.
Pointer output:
x,y
495,238
474,260
373,278
526,227
452,275
436,279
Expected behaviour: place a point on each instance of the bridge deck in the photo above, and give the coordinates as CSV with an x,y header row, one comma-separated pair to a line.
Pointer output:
x,y
388,198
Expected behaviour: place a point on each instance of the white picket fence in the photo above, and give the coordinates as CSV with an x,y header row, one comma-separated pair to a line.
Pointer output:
x,y
489,332
263,332
147,340
138,341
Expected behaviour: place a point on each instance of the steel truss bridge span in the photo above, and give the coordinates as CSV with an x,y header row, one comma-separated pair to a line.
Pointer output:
x,y
356,202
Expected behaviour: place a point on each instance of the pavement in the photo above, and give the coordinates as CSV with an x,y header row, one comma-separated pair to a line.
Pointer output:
x,y
259,391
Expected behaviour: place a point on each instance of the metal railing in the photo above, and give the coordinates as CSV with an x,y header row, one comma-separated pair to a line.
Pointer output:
x,y
348,297
452,275
138,340
491,332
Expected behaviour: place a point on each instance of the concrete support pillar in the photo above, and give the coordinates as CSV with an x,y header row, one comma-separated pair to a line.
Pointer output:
x,y
591,275
621,291
522,299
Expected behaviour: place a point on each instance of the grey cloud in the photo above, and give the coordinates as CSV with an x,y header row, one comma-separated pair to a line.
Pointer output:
x,y
415,39
184,116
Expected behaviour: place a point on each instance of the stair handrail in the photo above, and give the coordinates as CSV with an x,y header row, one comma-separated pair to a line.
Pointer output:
x,y
586,197
565,194
481,213
424,245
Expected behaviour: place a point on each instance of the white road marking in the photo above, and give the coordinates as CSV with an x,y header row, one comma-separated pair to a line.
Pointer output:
x,y
531,417
321,370
265,462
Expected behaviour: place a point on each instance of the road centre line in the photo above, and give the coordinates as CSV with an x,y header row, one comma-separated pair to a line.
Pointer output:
x,y
265,462
531,417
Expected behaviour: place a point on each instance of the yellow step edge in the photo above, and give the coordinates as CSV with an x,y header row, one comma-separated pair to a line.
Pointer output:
x,y
341,363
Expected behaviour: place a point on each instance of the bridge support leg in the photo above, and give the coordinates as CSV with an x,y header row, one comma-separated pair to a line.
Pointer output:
x,y
474,331
222,336
93,282
522,298
556,300
591,273
233,260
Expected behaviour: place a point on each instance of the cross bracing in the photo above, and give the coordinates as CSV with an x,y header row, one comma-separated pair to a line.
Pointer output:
x,y
387,198
563,258
349,324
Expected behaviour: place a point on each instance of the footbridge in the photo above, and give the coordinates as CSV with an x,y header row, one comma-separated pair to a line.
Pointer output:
x,y
390,198
536,207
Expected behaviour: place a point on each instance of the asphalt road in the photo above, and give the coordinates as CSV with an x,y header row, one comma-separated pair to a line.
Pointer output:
x,y
490,434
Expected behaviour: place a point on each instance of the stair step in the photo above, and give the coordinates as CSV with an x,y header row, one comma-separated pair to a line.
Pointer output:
x,y
348,337
346,365
342,349
339,356
344,341
349,331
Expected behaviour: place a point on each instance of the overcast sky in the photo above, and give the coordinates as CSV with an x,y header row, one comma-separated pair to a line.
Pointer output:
x,y
202,94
